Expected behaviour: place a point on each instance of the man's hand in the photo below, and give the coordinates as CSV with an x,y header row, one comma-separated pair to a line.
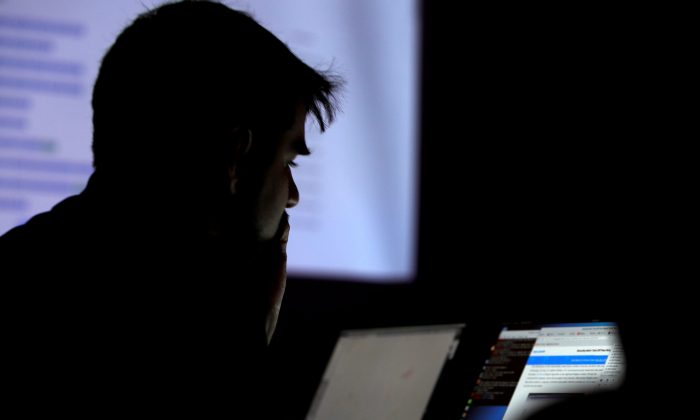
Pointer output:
x,y
280,280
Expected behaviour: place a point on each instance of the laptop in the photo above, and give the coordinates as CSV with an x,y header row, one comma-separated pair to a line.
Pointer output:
x,y
430,372
387,373
532,366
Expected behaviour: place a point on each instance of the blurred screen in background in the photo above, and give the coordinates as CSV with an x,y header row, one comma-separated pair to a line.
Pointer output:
x,y
357,218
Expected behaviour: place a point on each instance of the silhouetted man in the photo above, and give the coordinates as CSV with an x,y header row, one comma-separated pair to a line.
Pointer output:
x,y
159,285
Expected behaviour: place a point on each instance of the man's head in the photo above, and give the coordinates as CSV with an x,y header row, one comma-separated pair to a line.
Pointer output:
x,y
198,101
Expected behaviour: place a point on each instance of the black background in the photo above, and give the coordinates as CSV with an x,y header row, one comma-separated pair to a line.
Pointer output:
x,y
541,168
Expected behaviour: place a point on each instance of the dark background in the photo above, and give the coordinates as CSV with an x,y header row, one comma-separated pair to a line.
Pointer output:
x,y
539,163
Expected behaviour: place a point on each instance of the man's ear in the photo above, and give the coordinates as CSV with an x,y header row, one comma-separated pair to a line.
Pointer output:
x,y
242,141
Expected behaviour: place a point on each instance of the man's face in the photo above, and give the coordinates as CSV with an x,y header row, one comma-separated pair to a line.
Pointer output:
x,y
277,189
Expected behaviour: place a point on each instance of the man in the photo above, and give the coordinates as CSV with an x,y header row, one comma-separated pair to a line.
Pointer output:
x,y
161,282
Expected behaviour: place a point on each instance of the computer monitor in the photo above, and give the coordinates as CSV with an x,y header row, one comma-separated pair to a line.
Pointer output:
x,y
357,217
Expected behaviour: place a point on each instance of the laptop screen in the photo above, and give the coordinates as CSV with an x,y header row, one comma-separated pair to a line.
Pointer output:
x,y
384,373
533,366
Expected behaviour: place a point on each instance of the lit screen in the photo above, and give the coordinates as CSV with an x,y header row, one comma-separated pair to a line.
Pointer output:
x,y
531,369
384,373
357,215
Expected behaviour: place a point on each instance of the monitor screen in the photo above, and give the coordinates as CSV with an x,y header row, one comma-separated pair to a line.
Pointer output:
x,y
387,373
535,366
357,215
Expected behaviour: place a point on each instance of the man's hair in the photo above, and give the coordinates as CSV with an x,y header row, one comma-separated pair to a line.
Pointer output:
x,y
185,74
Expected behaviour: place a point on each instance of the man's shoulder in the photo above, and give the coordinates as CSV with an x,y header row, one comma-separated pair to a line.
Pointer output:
x,y
48,241
47,225
36,228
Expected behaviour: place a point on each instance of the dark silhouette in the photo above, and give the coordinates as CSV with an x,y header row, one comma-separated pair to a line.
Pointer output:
x,y
156,288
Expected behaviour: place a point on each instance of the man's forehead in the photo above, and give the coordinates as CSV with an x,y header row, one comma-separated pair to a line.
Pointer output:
x,y
297,132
